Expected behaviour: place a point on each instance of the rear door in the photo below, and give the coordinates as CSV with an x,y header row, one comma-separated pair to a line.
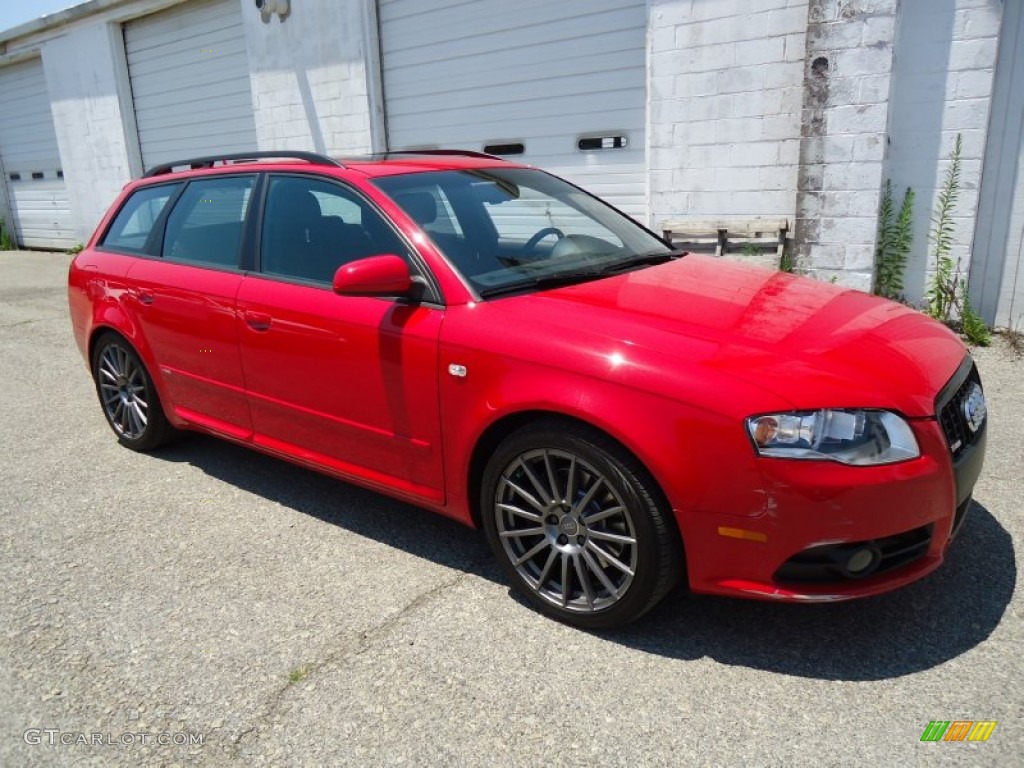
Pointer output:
x,y
185,303
345,382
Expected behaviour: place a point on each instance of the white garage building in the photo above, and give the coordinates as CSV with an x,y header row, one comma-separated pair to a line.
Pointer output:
x,y
671,109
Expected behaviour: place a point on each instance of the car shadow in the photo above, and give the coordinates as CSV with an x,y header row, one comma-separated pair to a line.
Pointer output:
x,y
899,633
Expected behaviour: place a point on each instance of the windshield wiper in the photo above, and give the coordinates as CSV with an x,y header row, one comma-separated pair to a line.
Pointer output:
x,y
546,281
640,260
571,277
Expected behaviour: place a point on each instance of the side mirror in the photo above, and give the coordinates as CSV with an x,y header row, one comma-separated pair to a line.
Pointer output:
x,y
386,275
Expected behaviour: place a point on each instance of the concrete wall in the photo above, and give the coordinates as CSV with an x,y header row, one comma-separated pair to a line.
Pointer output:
x,y
945,58
725,97
84,79
314,77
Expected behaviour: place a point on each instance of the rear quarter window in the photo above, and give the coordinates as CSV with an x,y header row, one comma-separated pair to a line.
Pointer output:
x,y
134,223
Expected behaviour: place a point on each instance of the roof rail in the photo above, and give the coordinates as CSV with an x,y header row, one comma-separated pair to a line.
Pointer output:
x,y
208,162
464,152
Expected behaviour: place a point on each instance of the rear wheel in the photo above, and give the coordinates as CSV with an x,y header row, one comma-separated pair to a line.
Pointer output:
x,y
578,525
127,395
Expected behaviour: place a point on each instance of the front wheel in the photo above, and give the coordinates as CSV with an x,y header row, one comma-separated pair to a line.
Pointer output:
x,y
129,399
578,525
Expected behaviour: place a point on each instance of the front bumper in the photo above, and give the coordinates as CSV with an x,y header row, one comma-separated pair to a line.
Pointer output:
x,y
818,513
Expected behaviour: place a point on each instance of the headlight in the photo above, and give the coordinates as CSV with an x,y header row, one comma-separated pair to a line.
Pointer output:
x,y
858,437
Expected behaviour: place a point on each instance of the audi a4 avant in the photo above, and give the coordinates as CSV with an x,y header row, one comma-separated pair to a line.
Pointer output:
x,y
490,342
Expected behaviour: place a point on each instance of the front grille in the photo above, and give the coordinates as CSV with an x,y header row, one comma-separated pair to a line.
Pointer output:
x,y
827,563
959,436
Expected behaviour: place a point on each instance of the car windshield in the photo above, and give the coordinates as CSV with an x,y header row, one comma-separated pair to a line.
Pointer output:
x,y
513,229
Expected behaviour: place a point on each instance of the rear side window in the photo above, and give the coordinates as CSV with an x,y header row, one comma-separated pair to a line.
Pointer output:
x,y
206,224
134,222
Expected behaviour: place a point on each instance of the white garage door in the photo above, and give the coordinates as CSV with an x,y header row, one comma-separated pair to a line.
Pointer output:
x,y
546,75
190,82
36,191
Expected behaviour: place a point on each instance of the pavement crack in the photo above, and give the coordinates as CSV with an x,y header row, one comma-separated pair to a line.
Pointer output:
x,y
351,647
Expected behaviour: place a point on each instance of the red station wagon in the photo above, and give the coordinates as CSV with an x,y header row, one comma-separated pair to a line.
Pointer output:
x,y
488,341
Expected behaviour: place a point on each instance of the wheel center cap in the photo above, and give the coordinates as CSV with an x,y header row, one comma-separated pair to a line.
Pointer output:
x,y
568,526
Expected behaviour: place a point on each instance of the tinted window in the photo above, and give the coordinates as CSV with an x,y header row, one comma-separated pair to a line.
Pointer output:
x,y
205,226
136,218
311,227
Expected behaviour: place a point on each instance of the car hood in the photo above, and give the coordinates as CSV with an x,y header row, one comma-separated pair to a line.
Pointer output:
x,y
688,323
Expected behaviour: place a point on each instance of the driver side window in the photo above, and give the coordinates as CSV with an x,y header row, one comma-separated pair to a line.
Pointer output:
x,y
311,227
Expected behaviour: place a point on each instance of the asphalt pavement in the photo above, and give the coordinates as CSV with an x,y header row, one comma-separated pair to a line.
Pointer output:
x,y
206,605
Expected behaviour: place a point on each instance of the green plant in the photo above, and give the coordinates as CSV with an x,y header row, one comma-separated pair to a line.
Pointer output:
x,y
299,674
76,249
6,244
948,291
974,328
895,235
787,263
941,296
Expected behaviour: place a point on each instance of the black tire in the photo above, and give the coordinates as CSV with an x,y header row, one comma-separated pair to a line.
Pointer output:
x,y
127,396
575,539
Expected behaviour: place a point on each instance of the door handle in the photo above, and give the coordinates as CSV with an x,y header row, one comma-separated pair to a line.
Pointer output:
x,y
146,297
258,321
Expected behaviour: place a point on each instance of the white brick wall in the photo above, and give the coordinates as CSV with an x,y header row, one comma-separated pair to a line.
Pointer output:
x,y
311,82
725,85
82,76
844,137
942,84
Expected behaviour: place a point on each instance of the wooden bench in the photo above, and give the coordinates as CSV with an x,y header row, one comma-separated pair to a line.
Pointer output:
x,y
755,241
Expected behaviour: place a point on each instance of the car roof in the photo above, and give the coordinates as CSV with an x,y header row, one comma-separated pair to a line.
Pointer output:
x,y
384,164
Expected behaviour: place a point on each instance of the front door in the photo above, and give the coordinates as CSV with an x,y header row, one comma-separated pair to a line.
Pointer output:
x,y
345,382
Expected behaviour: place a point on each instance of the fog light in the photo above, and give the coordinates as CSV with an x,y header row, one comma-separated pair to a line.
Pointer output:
x,y
860,561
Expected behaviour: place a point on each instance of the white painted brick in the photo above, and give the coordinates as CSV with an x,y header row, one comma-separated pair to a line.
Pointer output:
x,y
837,149
738,79
827,256
853,176
785,22
703,10
861,61
972,54
878,30
965,115
848,230
976,22
784,75
702,84
836,36
754,153
764,51
780,127
749,104
737,179
716,107
796,47
859,258
975,83
869,147
874,89
866,118
789,152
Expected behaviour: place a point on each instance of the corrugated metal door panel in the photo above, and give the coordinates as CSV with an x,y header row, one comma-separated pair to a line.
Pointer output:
x,y
468,74
36,191
42,212
189,71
